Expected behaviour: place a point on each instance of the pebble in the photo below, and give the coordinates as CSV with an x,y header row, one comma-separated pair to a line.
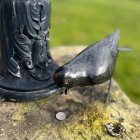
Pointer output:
x,y
61,116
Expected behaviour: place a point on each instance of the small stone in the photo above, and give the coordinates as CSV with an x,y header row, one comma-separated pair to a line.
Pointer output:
x,y
14,124
61,116
115,130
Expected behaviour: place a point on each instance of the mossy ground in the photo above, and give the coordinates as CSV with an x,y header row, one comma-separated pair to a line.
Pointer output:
x,y
87,116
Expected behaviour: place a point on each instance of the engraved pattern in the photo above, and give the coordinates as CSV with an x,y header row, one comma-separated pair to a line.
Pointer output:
x,y
30,23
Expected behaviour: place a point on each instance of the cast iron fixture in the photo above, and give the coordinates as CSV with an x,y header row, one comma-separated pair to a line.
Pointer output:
x,y
27,70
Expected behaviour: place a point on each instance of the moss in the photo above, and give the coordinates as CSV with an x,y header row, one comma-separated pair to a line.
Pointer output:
x,y
21,110
88,125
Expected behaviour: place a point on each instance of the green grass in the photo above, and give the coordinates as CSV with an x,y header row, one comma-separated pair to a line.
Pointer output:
x,y
83,22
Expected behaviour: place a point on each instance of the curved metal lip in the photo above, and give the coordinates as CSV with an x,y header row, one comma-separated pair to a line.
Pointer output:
x,y
21,96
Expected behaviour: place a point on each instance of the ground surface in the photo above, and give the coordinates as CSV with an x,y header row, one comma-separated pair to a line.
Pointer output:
x,y
87,116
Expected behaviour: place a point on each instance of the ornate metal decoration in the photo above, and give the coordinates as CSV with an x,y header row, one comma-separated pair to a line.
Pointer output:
x,y
27,70
27,67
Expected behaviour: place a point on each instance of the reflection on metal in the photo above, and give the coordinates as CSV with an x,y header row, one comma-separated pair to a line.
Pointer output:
x,y
94,65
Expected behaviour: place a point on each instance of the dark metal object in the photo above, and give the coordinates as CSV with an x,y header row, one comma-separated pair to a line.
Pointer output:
x,y
26,65
92,66
27,70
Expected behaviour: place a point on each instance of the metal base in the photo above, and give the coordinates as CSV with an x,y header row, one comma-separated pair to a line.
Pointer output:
x,y
22,96
27,88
